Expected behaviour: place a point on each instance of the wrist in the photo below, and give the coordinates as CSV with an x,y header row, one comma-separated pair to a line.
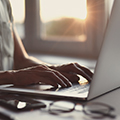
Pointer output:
x,y
12,77
6,77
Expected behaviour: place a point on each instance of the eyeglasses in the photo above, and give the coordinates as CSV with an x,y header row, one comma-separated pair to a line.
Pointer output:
x,y
94,110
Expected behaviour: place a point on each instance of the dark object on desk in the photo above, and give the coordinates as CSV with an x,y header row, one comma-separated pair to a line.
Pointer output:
x,y
18,104
5,117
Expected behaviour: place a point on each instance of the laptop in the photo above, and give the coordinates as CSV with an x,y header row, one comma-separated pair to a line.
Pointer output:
x,y
106,74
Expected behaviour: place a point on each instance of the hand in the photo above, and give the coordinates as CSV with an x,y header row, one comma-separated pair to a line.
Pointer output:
x,y
71,70
38,74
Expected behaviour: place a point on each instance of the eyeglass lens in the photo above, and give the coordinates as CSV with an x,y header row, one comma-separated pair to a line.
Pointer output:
x,y
96,110
61,107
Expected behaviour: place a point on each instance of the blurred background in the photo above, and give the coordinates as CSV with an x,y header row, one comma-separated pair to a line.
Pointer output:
x,y
69,28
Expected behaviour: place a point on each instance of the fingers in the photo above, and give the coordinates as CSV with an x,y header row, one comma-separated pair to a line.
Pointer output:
x,y
55,75
48,81
86,70
63,78
75,68
72,77
62,75
51,77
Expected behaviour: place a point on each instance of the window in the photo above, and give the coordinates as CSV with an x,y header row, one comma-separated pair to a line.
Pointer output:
x,y
18,9
63,18
79,36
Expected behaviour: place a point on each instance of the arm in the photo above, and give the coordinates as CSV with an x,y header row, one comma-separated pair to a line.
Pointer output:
x,y
29,70
69,70
21,58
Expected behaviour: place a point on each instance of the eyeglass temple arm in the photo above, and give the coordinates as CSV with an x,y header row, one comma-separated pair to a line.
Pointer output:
x,y
104,114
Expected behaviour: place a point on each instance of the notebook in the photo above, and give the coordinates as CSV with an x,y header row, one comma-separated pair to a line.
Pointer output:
x,y
107,71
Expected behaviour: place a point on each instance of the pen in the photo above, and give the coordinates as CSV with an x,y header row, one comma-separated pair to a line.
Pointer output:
x,y
5,116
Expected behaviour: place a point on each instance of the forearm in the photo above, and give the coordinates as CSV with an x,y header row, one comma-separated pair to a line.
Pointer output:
x,y
21,58
6,77
28,61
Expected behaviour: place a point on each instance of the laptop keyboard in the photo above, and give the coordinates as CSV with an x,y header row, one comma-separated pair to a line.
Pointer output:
x,y
76,89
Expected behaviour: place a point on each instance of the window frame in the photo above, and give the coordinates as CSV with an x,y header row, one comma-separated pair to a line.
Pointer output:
x,y
34,43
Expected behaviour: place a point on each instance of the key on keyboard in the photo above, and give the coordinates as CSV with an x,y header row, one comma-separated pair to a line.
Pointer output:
x,y
76,89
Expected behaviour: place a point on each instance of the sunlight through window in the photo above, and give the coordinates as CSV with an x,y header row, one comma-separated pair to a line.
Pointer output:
x,y
63,18
56,9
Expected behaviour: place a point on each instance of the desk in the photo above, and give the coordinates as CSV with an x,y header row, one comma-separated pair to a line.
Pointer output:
x,y
111,98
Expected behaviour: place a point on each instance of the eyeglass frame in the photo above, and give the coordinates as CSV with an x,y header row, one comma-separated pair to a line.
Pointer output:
x,y
110,108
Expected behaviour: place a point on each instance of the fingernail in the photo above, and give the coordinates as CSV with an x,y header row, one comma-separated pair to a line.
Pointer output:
x,y
70,84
